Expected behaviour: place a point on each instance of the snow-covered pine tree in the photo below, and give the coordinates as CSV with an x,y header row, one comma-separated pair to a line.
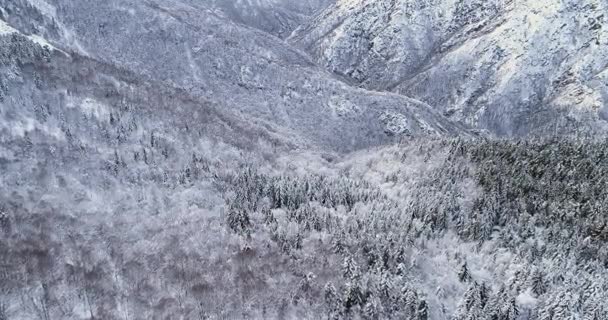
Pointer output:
x,y
464,275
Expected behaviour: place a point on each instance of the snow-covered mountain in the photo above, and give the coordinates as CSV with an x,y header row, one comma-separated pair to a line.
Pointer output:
x,y
511,67
179,159
237,67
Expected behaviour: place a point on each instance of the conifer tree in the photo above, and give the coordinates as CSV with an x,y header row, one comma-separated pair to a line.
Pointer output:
x,y
464,274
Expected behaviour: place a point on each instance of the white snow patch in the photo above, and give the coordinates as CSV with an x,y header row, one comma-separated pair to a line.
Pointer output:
x,y
95,108
580,97
193,65
526,299
71,38
43,42
540,11
24,126
90,107
6,29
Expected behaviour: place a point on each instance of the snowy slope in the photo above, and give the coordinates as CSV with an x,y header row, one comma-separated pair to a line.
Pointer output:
x,y
87,147
512,67
244,69
167,159
277,17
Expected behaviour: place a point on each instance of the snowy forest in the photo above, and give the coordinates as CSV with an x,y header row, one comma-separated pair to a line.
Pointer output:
x,y
424,229
313,159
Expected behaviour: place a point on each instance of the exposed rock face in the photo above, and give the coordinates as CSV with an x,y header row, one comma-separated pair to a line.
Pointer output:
x,y
212,58
512,67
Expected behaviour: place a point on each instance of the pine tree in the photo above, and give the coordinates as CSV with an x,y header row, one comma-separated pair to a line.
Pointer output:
x,y
332,301
372,308
238,220
537,282
509,310
353,296
410,301
350,269
422,313
386,286
464,274
472,303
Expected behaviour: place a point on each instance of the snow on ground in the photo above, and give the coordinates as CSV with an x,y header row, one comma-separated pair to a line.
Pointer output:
x,y
5,28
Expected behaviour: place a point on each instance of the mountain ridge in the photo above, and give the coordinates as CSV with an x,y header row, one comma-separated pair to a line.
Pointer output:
x,y
492,59
251,65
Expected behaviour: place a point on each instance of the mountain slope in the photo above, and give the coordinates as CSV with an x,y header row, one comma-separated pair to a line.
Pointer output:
x,y
277,17
237,67
138,181
100,165
512,67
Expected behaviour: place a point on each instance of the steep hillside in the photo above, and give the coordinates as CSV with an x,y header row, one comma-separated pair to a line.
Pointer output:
x,y
277,17
512,67
239,68
98,164
115,177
